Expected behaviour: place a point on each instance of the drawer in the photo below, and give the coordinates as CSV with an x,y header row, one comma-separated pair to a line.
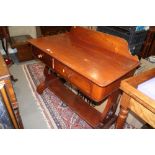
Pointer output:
x,y
42,56
73,77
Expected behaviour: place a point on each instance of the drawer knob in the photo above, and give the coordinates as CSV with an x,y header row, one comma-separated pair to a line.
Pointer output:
x,y
40,55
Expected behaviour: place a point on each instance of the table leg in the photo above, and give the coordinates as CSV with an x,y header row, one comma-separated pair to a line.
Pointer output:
x,y
13,100
121,118
108,115
48,79
123,111
41,87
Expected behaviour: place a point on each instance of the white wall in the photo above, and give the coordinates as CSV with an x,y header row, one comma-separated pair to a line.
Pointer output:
x,y
22,30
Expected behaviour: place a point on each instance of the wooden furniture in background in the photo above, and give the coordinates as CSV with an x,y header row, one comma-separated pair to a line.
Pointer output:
x,y
5,78
93,62
134,35
4,34
148,48
5,40
24,52
52,30
136,101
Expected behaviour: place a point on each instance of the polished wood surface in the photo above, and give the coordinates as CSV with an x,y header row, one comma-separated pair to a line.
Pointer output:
x,y
8,105
136,101
5,78
68,48
99,60
93,117
92,61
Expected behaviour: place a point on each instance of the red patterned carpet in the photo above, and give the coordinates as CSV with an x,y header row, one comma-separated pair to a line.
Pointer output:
x,y
56,113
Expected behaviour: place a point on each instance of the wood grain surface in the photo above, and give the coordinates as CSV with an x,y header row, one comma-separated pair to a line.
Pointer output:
x,y
99,57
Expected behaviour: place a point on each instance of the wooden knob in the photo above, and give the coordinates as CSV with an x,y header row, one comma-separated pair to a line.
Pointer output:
x,y
63,70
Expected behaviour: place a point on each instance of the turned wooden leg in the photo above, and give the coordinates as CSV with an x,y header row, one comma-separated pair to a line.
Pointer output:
x,y
121,118
124,109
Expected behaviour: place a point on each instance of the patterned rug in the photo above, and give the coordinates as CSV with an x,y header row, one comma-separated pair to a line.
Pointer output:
x,y
56,113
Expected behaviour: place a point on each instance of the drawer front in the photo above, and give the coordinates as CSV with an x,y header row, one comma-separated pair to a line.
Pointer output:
x,y
84,85
79,81
42,56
